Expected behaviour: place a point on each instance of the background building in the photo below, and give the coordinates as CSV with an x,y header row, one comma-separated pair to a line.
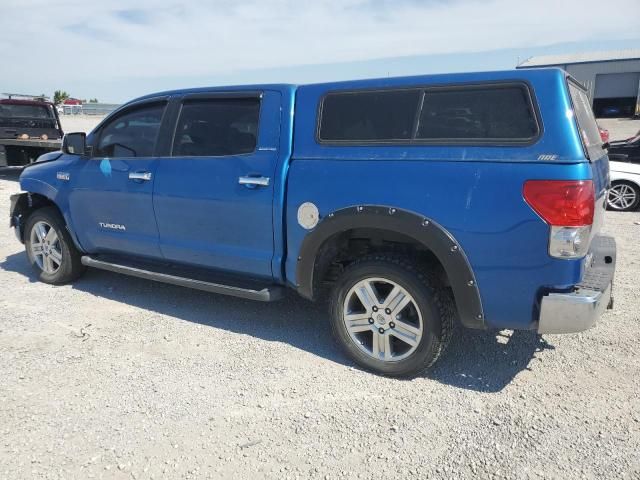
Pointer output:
x,y
612,78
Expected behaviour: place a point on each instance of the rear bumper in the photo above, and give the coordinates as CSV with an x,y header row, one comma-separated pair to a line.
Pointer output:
x,y
579,309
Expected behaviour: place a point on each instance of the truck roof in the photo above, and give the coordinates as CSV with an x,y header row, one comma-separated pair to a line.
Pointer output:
x,y
12,101
443,78
375,82
226,88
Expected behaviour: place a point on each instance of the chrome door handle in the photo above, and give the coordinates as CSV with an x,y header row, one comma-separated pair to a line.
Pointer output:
x,y
254,181
142,176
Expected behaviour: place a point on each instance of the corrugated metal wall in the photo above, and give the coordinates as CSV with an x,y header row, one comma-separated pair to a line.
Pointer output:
x,y
586,72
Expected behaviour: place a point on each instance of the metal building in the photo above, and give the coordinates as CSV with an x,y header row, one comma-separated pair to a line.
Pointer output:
x,y
612,78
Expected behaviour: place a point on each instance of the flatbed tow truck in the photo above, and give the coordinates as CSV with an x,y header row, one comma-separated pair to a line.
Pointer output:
x,y
28,128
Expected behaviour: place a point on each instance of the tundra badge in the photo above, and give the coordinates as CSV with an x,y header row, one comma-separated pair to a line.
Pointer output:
x,y
112,226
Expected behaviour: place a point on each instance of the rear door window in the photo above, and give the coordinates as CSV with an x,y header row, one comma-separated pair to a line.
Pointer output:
x,y
586,122
9,110
25,116
217,127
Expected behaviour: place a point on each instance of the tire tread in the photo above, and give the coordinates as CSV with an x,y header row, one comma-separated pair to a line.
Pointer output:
x,y
440,296
68,272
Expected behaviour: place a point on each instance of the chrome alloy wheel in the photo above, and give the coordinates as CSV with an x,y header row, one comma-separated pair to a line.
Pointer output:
x,y
45,247
382,319
622,196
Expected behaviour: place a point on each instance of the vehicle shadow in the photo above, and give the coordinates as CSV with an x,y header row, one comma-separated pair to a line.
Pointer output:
x,y
475,360
10,173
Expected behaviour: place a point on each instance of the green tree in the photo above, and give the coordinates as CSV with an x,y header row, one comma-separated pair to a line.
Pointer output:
x,y
59,96
93,100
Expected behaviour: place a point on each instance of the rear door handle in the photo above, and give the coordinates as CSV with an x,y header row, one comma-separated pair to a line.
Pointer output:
x,y
140,176
254,181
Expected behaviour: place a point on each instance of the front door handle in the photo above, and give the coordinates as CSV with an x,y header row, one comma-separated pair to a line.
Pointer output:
x,y
254,181
140,176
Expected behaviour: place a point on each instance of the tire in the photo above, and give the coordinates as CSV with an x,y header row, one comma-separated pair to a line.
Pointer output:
x,y
623,196
415,334
56,260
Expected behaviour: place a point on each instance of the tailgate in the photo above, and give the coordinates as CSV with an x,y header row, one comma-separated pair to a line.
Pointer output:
x,y
594,148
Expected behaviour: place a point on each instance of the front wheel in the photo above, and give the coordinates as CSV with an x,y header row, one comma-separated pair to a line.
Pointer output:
x,y
50,249
390,317
623,197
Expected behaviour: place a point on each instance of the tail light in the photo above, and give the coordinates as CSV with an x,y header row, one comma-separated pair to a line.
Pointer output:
x,y
568,206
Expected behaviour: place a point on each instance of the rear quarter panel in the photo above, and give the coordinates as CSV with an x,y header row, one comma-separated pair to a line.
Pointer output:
x,y
473,192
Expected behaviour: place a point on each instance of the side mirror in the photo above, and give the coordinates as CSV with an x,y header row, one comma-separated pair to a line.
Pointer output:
x,y
75,143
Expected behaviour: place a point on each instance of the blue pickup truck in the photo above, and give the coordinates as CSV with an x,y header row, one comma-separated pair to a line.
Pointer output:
x,y
409,203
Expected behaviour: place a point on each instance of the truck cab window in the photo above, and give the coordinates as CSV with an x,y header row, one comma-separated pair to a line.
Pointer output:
x,y
133,134
217,127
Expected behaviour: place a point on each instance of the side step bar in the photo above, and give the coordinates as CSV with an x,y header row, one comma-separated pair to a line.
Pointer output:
x,y
267,294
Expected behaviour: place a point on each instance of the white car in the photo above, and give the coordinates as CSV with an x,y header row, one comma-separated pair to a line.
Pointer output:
x,y
624,194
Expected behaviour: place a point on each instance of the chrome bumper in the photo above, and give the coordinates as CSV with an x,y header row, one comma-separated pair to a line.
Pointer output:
x,y
572,312
580,309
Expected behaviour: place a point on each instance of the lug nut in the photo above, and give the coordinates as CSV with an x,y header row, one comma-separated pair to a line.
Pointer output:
x,y
371,320
381,330
392,325
374,308
387,311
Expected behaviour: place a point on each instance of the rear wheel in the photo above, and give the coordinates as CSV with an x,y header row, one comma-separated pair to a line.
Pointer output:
x,y
50,249
623,196
390,317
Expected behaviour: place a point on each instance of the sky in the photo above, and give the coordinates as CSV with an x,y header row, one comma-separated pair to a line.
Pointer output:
x,y
116,50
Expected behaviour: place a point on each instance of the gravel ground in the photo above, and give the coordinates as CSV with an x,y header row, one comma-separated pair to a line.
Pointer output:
x,y
116,377
620,128
79,123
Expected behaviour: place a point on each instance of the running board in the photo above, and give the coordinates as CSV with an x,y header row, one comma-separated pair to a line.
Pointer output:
x,y
269,293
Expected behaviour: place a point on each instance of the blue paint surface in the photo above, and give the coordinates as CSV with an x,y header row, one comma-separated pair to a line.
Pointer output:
x,y
193,211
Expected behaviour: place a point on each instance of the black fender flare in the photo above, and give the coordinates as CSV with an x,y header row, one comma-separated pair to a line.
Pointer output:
x,y
21,205
418,227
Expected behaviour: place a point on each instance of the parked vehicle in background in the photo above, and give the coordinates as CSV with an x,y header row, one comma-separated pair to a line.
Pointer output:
x,y
624,194
28,129
604,134
612,111
627,150
412,203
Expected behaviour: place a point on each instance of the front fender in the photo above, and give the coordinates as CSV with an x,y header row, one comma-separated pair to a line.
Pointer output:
x,y
423,230
34,185
37,194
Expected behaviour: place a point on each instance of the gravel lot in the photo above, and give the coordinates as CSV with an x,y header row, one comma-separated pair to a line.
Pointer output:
x,y
116,377
79,123
620,128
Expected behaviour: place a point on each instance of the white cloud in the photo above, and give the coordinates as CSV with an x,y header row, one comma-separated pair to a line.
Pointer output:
x,y
102,40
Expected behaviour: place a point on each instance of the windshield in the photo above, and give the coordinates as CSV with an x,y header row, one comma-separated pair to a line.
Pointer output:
x,y
586,122
8,110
